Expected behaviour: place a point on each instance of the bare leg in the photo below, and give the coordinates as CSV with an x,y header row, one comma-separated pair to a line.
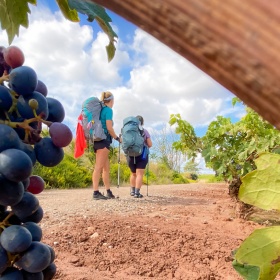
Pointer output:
x,y
139,179
102,156
133,179
106,174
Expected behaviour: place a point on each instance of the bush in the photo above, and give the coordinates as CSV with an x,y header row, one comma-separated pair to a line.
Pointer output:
x,y
66,175
124,173
194,176
177,178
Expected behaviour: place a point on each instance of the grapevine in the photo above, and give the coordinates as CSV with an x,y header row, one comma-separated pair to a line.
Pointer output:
x,y
24,109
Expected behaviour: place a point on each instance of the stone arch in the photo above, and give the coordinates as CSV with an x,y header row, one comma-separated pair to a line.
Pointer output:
x,y
235,42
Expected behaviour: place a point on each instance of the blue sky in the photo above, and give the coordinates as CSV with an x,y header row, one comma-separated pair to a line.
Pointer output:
x,y
146,77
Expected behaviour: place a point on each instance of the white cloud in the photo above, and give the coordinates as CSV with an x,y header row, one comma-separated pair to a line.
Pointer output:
x,y
156,81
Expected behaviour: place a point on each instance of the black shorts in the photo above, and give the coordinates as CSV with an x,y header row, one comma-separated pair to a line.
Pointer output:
x,y
137,163
101,145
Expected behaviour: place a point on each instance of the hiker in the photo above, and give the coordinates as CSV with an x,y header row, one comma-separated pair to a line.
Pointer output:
x,y
138,164
102,148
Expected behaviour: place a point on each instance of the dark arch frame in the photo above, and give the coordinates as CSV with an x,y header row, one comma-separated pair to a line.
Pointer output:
x,y
236,42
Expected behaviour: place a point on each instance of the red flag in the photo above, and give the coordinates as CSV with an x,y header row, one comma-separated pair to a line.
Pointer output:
x,y
80,143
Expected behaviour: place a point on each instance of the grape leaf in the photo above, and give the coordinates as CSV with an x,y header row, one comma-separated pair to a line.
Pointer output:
x,y
247,271
68,13
98,13
260,249
261,186
13,14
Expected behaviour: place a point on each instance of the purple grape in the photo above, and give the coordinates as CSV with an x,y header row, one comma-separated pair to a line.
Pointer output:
x,y
11,192
36,258
47,154
15,165
23,80
15,239
35,217
34,229
61,134
42,88
13,56
49,272
56,110
11,273
9,138
26,111
3,259
3,64
6,100
27,206
36,184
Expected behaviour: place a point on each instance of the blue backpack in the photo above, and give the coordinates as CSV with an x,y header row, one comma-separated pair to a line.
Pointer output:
x,y
132,137
91,123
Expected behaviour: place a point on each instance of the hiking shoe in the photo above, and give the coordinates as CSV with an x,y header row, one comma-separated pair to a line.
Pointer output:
x,y
110,195
132,191
138,195
99,196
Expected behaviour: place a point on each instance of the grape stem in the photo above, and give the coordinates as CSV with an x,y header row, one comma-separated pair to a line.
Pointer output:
x,y
5,223
13,258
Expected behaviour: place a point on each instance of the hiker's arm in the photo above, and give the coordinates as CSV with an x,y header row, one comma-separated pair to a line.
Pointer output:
x,y
109,125
149,142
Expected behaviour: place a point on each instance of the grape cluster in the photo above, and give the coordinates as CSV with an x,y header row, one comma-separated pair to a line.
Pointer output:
x,y
24,110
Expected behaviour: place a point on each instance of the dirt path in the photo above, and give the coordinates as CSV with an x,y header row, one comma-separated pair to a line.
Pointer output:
x,y
177,232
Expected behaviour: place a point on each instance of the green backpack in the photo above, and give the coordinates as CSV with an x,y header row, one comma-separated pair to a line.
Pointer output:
x,y
132,137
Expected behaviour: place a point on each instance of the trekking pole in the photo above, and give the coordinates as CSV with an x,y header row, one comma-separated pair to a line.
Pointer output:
x,y
147,174
119,164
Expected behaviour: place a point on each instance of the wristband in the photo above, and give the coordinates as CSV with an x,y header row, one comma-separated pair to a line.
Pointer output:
x,y
117,139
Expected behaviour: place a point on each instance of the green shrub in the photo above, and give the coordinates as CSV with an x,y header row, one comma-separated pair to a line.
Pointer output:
x,y
124,173
67,174
177,178
194,176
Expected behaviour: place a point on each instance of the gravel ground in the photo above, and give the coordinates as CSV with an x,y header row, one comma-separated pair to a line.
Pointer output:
x,y
176,232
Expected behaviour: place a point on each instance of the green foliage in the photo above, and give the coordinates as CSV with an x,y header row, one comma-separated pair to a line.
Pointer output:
x,y
189,143
229,149
191,167
67,174
258,255
149,177
162,173
261,250
98,13
261,186
194,176
124,173
68,13
177,178
14,13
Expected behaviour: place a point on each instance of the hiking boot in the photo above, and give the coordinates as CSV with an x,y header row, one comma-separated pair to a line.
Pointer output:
x,y
138,195
99,196
132,191
110,195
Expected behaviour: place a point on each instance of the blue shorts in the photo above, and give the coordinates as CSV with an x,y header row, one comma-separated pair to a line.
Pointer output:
x,y
137,163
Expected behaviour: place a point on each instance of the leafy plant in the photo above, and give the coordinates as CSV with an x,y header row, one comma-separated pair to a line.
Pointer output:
x,y
230,149
14,13
257,258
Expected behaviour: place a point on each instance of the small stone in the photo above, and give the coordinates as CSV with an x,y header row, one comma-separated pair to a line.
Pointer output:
x,y
95,235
